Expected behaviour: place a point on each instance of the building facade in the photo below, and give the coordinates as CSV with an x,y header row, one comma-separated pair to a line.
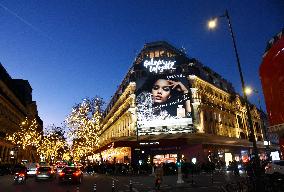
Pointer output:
x,y
171,107
16,105
272,78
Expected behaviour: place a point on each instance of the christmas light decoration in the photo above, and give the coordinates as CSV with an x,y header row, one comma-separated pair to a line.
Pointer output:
x,y
84,124
53,145
27,135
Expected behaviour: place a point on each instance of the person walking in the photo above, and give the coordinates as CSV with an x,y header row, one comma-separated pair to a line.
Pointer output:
x,y
158,176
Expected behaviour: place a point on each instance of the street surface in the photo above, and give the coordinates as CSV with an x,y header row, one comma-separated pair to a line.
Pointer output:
x,y
104,183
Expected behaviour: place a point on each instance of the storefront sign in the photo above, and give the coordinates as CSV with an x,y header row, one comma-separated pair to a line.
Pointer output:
x,y
159,66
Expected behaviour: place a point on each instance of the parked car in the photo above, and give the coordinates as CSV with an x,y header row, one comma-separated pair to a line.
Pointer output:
x,y
70,174
44,173
275,168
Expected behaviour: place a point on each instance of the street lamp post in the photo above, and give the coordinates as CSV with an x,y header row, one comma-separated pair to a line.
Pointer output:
x,y
249,91
212,24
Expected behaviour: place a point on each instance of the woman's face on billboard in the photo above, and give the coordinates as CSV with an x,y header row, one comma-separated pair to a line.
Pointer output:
x,y
161,91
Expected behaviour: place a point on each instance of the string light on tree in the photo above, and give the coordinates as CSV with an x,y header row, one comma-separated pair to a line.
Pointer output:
x,y
53,144
27,135
84,124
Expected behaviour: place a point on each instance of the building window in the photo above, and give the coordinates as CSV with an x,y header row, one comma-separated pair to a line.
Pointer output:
x,y
162,53
240,122
157,54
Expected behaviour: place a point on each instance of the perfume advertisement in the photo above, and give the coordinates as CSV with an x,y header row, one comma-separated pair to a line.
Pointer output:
x,y
163,100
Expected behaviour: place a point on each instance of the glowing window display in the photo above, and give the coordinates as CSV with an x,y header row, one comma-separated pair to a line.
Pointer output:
x,y
163,99
168,158
228,158
245,156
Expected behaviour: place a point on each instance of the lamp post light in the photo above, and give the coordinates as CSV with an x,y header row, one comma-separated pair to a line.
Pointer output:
x,y
249,91
212,24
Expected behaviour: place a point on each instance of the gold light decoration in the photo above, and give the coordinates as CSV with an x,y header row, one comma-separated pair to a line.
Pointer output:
x,y
84,123
27,135
118,153
53,145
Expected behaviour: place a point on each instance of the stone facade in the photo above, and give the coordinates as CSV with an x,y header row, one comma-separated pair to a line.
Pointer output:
x,y
15,106
218,112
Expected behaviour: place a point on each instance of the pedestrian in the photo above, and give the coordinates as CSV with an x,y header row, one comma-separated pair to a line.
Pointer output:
x,y
235,168
158,176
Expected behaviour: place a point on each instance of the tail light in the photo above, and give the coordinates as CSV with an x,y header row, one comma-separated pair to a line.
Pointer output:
x,y
21,174
61,174
77,173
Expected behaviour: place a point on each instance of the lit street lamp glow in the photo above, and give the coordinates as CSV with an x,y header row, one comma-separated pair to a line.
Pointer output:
x,y
212,23
248,90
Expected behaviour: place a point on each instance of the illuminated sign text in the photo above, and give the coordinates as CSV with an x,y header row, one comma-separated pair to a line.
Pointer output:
x,y
158,66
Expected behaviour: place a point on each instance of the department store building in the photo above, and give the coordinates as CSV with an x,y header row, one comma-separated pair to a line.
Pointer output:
x,y
135,129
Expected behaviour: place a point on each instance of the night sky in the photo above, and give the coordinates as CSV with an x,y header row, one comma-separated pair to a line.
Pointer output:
x,y
69,50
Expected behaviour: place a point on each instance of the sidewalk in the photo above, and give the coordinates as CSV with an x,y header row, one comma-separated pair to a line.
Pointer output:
x,y
199,182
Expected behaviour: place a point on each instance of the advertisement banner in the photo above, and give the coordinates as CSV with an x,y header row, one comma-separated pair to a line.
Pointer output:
x,y
163,98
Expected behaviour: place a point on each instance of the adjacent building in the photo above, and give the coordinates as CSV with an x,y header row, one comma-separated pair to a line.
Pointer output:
x,y
170,107
16,105
272,78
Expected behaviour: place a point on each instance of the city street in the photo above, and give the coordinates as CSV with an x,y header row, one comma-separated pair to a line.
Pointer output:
x,y
141,96
202,182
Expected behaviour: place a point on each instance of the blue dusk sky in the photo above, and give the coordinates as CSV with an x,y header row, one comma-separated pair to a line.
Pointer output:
x,y
72,49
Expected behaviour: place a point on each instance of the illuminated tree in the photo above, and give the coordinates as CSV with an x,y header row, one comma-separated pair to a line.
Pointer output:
x,y
53,144
84,123
27,135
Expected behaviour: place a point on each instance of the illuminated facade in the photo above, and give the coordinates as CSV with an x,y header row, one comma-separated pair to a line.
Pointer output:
x,y
15,106
201,116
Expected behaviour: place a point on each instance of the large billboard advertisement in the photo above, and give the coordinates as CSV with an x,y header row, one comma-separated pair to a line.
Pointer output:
x,y
163,98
